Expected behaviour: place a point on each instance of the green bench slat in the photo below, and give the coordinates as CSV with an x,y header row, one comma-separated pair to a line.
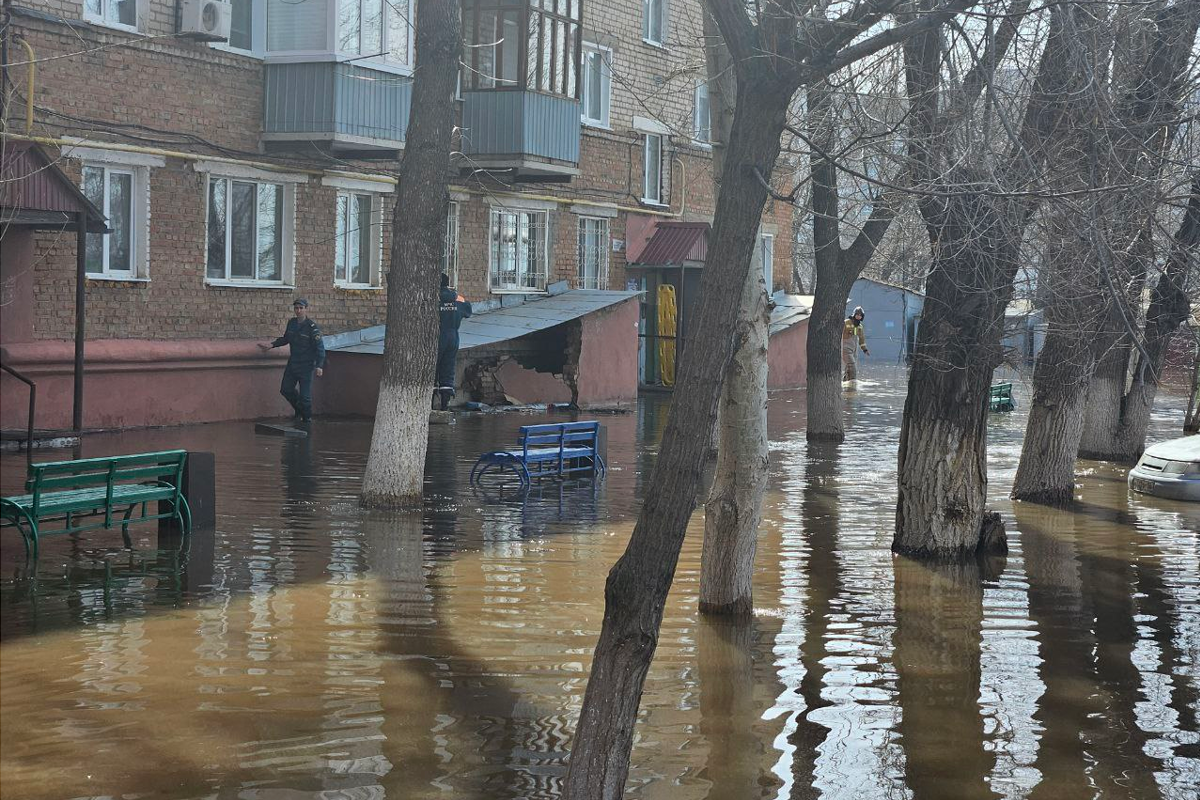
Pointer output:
x,y
88,499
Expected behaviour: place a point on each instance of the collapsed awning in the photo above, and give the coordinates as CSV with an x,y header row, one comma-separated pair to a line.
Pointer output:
x,y
493,325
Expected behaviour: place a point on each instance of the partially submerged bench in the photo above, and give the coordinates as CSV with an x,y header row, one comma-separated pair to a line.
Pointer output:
x,y
1001,398
97,493
559,450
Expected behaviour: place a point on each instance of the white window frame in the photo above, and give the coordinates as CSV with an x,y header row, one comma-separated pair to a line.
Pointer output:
x,y
450,248
136,235
384,43
601,246
92,154
704,140
647,161
542,278
258,32
103,20
606,56
766,245
649,8
287,248
374,254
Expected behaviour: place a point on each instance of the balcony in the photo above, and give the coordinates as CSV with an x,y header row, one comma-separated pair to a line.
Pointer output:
x,y
347,109
532,135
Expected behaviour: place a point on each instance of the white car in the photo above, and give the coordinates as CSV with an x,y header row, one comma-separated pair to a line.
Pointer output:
x,y
1169,469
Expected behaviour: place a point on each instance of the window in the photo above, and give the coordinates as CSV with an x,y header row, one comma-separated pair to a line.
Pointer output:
x,y
245,231
518,250
450,259
652,169
597,85
593,253
358,240
241,25
701,116
523,45
766,244
117,13
375,28
654,20
112,189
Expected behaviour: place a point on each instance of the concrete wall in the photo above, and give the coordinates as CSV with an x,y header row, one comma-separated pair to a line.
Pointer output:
x,y
888,310
133,383
787,358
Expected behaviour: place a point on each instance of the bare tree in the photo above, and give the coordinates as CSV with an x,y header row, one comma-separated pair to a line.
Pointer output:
x,y
976,204
396,464
1101,251
776,49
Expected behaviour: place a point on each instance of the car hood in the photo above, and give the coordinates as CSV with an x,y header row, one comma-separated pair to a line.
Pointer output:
x,y
1185,449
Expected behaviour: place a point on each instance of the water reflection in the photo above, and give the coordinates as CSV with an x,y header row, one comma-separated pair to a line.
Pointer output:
x,y
306,648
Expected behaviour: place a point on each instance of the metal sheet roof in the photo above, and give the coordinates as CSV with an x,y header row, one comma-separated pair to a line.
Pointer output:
x,y
789,309
34,191
672,243
501,324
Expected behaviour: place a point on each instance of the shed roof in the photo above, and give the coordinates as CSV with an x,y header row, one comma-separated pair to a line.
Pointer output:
x,y
501,324
672,243
788,310
35,193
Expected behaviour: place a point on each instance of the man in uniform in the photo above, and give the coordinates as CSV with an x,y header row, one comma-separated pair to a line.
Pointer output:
x,y
306,357
452,310
853,338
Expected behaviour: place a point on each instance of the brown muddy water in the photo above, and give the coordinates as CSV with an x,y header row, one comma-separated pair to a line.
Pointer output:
x,y
307,649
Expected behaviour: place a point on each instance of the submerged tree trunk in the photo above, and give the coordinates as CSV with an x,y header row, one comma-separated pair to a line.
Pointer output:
x,y
836,268
1124,420
943,439
734,508
637,585
396,464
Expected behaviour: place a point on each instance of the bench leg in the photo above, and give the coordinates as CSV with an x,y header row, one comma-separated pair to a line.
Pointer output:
x,y
185,515
125,526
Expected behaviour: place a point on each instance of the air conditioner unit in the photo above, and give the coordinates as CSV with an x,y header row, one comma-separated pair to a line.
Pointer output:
x,y
205,20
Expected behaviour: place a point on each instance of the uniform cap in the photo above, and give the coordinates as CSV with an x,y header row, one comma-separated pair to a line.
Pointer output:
x,y
300,301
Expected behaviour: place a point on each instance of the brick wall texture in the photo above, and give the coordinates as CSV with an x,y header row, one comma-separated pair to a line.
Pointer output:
x,y
170,94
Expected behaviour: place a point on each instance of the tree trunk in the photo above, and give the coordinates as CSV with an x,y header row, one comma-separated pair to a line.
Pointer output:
x,y
1125,419
943,439
734,508
637,586
1103,412
396,464
823,389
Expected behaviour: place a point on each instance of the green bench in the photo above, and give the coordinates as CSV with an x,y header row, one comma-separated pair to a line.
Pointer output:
x,y
77,493
1001,398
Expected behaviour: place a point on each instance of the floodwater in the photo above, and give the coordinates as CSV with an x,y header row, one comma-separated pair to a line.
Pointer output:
x,y
307,649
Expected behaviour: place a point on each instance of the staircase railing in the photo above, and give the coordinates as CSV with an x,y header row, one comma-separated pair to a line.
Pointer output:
x,y
32,407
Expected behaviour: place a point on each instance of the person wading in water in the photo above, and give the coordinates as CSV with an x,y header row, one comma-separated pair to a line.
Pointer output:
x,y
853,338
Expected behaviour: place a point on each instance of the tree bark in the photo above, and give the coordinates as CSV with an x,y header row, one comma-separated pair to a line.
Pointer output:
x,y
396,463
734,508
637,586
943,438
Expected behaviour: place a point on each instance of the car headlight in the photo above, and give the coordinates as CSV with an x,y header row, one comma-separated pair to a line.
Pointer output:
x,y
1191,468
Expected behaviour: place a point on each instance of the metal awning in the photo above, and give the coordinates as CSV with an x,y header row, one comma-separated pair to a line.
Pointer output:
x,y
35,193
673,243
498,325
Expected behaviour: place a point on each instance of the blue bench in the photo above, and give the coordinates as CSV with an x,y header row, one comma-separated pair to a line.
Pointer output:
x,y
560,450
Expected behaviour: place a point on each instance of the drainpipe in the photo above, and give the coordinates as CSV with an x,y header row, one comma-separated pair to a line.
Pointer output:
x,y
5,24
30,74
80,286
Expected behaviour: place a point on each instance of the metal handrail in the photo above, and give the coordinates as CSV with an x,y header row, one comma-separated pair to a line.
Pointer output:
x,y
32,406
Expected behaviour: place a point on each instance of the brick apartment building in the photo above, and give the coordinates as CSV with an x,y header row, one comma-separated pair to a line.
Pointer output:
x,y
237,175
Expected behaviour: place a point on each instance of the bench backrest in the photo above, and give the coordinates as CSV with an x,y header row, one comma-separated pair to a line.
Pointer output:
x,y
1002,390
560,434
86,472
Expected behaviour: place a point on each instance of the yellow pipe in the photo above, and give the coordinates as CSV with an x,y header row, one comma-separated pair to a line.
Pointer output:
x,y
384,179
29,86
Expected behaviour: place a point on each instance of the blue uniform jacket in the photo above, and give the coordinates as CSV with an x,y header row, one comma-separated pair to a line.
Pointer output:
x,y
308,349
451,313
